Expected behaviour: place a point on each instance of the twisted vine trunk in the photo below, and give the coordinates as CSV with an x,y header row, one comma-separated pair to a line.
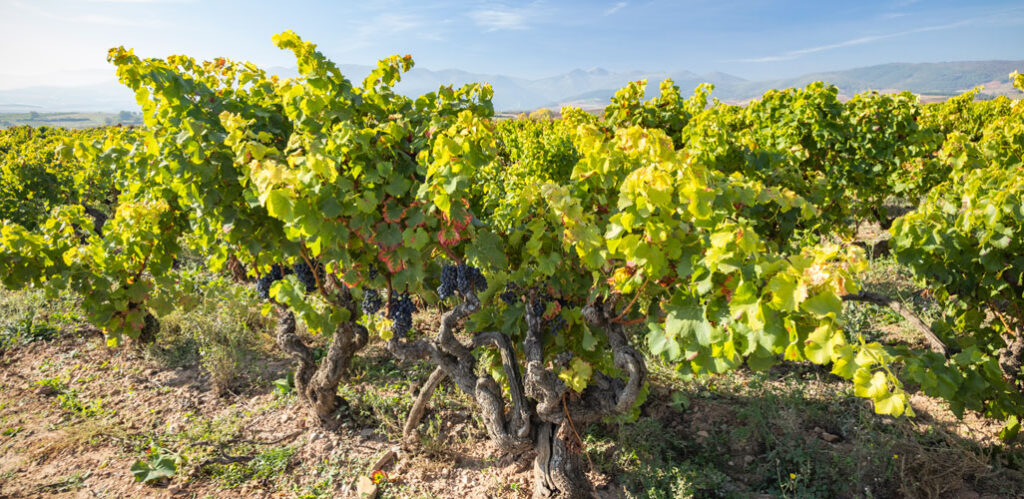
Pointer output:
x,y
511,431
317,385
558,470
540,413
420,405
1011,359
237,269
150,328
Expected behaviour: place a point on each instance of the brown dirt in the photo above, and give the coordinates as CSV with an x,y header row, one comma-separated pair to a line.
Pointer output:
x,y
141,399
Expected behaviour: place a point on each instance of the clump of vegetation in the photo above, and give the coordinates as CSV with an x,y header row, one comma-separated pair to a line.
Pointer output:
x,y
264,467
160,464
222,330
70,399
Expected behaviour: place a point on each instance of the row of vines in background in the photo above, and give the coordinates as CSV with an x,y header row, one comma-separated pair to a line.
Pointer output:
x,y
714,236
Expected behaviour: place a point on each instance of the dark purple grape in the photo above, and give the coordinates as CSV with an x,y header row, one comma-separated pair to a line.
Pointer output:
x,y
263,284
470,279
305,275
556,325
449,276
509,294
372,301
539,307
400,310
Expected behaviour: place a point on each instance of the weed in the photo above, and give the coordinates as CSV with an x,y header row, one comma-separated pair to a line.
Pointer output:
x,y
327,476
30,315
158,465
221,331
69,483
70,400
285,386
384,407
264,467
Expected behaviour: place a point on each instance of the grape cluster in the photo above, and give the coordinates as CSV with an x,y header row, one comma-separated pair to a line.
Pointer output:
x,y
263,284
470,279
462,278
449,276
539,306
400,310
554,325
305,275
509,295
371,301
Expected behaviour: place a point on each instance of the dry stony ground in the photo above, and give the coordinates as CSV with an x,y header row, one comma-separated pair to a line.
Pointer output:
x,y
75,415
124,403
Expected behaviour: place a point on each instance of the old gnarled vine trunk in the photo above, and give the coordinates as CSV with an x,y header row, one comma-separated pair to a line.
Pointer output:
x,y
317,385
558,470
542,413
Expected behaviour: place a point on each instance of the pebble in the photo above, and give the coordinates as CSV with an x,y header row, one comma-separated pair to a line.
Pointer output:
x,y
365,488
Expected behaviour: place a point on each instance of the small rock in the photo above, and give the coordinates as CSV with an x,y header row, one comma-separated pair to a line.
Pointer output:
x,y
174,489
828,437
365,488
384,460
703,434
366,433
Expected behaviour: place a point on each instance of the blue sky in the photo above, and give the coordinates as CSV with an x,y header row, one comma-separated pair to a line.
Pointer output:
x,y
751,39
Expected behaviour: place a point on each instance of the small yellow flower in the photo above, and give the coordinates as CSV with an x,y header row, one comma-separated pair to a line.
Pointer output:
x,y
895,456
792,476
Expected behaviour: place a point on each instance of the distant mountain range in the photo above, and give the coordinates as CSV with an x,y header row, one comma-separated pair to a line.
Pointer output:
x,y
585,88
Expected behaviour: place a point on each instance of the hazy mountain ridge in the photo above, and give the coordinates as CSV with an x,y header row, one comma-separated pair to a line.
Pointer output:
x,y
585,88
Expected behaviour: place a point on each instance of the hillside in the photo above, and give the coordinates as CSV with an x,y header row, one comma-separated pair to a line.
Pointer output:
x,y
584,88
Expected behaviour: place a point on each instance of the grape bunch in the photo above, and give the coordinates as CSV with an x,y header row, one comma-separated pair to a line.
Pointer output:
x,y
509,295
462,278
539,306
371,301
470,279
449,276
400,310
554,325
263,285
305,275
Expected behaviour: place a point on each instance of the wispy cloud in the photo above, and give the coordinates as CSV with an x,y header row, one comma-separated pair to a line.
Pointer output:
x,y
107,20
500,17
387,25
89,19
794,54
615,8
140,1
